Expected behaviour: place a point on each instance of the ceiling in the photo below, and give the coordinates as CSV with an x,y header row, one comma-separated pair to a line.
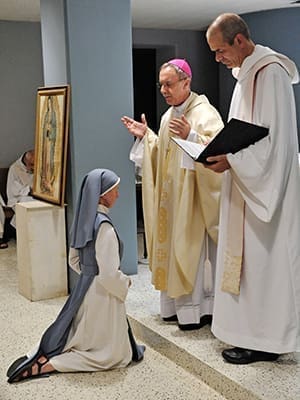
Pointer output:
x,y
158,14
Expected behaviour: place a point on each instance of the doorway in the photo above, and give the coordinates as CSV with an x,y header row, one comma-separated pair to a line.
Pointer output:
x,y
144,85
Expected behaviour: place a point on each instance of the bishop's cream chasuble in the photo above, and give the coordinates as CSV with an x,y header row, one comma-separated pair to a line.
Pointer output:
x,y
179,204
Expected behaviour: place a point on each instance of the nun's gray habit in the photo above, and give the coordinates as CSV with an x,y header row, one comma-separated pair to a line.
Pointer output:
x,y
91,332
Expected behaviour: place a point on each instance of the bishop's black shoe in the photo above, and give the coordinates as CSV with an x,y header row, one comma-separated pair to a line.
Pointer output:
x,y
237,355
170,319
205,320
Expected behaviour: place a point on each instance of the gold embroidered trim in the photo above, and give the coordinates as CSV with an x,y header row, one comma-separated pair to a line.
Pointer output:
x,y
162,225
232,274
160,282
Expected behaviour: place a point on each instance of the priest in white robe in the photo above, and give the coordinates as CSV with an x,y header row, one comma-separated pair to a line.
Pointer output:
x,y
180,199
257,297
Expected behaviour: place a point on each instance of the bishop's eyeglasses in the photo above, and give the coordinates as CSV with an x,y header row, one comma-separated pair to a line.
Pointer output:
x,y
168,84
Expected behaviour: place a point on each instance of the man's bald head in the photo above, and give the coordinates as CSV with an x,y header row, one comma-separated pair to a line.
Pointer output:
x,y
229,25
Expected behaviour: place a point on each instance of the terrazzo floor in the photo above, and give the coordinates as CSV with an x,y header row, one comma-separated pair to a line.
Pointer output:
x,y
22,323
178,365
199,352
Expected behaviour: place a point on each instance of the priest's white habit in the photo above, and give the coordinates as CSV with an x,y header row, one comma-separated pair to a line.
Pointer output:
x,y
265,315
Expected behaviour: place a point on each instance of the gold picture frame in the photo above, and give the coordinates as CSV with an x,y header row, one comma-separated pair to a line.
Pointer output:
x,y
51,143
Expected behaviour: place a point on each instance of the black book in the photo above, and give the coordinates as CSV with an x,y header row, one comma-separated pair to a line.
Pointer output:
x,y
235,136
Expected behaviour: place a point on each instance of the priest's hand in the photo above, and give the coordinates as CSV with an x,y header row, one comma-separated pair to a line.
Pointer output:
x,y
220,163
136,128
180,127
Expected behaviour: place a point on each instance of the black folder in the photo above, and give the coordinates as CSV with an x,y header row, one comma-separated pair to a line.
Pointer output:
x,y
235,136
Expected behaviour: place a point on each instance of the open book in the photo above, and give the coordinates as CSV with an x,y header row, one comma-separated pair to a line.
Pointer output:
x,y
235,136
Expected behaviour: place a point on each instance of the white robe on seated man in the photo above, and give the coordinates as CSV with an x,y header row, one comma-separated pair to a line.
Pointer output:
x,y
2,217
19,184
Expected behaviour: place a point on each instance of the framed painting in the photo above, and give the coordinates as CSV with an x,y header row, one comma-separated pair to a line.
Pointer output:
x,y
51,142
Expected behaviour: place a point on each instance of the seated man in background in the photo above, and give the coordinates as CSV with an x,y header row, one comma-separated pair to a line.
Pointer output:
x,y
3,241
20,181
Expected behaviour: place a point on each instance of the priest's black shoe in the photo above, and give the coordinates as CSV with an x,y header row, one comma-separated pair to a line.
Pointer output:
x,y
237,355
205,320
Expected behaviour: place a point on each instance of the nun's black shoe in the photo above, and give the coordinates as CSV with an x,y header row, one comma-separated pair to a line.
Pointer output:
x,y
15,365
237,355
205,320
170,319
25,370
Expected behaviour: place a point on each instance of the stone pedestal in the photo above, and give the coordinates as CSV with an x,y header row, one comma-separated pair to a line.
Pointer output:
x,y
41,250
